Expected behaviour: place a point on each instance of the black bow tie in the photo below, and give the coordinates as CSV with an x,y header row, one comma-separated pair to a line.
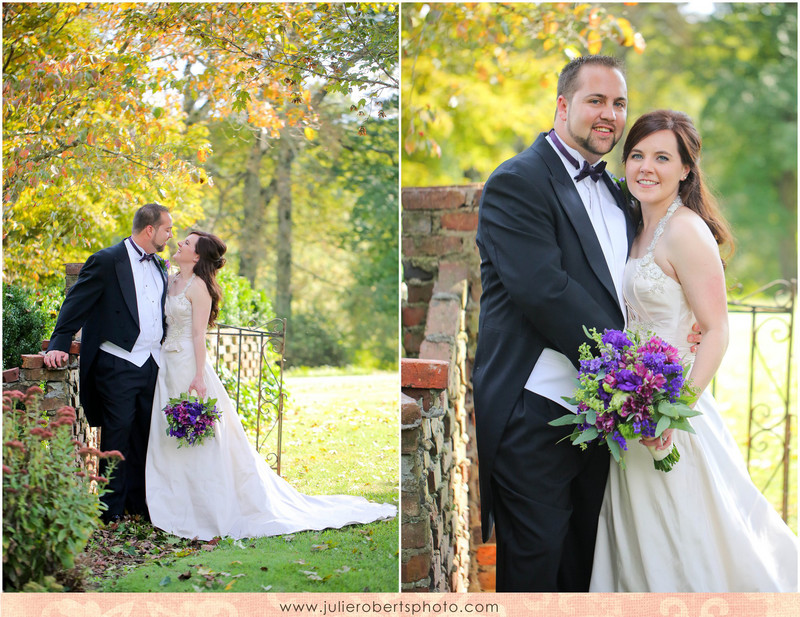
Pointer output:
x,y
592,172
595,173
142,256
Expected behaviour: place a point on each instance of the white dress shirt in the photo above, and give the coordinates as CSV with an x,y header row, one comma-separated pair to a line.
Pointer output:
x,y
554,376
149,288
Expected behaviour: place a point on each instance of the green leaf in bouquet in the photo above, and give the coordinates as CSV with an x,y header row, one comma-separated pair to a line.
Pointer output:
x,y
591,416
664,422
683,424
687,412
587,435
615,450
669,409
570,418
570,399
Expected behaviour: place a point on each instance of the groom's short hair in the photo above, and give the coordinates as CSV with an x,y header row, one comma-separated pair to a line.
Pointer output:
x,y
148,214
568,78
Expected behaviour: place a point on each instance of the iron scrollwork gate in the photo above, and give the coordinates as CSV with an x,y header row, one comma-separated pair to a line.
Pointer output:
x,y
249,360
770,387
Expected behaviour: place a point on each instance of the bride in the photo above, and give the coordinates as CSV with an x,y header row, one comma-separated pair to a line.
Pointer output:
x,y
703,526
221,487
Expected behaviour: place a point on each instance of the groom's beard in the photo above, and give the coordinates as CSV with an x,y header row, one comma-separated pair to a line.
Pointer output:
x,y
159,247
590,144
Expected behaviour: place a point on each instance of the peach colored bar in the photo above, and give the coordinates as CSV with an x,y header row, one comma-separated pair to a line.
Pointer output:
x,y
426,605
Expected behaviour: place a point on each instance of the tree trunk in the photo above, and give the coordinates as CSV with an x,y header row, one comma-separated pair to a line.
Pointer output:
x,y
252,245
283,185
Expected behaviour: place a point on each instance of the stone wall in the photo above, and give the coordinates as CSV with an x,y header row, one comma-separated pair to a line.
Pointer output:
x,y
60,389
441,299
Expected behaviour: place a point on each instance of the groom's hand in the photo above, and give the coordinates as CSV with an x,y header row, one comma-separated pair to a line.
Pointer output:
x,y
695,337
55,358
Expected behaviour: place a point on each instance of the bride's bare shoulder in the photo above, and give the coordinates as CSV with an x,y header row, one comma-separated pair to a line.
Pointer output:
x,y
197,289
687,228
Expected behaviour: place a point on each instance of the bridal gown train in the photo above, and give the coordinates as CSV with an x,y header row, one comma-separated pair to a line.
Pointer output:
x,y
703,526
222,487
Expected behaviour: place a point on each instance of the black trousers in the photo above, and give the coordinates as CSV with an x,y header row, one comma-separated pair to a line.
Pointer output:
x,y
547,498
126,391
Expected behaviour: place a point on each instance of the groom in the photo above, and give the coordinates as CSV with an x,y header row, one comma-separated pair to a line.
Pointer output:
x,y
553,236
118,300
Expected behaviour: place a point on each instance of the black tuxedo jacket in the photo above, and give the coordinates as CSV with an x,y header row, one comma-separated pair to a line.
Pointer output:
x,y
102,302
544,277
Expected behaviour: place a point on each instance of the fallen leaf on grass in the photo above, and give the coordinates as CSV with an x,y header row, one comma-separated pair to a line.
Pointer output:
x,y
343,569
264,568
165,581
185,576
319,547
266,587
229,585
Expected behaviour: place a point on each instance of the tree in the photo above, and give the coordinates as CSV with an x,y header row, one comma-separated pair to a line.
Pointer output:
x,y
472,74
213,109
81,146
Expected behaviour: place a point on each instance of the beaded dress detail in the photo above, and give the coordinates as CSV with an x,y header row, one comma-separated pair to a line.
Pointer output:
x,y
223,487
704,526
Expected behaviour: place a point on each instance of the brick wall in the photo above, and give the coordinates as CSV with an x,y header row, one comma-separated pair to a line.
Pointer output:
x,y
60,389
440,508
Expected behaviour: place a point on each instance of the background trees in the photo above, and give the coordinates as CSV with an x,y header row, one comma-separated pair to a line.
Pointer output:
x,y
481,94
230,114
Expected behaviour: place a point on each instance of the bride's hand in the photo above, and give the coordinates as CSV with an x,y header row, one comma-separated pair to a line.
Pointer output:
x,y
660,443
199,386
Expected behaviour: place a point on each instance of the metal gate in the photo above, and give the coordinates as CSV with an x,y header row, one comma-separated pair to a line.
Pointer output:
x,y
770,388
249,361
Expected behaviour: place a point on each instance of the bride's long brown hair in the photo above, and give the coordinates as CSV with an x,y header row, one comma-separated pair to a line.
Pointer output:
x,y
693,190
210,249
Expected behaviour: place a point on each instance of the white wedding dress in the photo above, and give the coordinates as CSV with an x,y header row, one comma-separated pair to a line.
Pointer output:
x,y
703,526
223,487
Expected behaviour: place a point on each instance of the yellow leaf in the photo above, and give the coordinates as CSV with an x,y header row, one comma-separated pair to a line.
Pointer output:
x,y
202,155
627,31
595,42
310,133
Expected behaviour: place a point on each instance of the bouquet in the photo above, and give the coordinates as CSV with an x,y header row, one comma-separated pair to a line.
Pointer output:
x,y
635,388
191,420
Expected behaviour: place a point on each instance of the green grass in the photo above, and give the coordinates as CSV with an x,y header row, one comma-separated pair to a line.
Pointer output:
x,y
339,437
732,387
356,559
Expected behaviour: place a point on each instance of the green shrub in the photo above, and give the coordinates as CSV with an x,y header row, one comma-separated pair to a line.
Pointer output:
x,y
314,340
241,304
49,507
24,324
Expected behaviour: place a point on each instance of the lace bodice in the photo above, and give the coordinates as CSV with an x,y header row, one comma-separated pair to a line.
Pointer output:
x,y
655,302
179,320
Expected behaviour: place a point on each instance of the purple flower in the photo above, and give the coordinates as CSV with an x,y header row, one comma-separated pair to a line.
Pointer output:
x,y
605,423
591,367
618,340
627,381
